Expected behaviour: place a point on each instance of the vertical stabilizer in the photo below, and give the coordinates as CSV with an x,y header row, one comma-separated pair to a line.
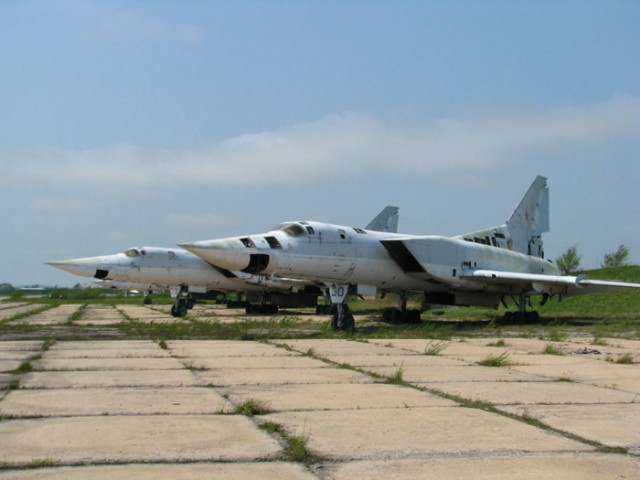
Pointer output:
x,y
385,221
523,231
530,219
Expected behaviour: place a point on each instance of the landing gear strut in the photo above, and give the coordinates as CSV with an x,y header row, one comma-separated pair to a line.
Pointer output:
x,y
341,318
522,316
401,314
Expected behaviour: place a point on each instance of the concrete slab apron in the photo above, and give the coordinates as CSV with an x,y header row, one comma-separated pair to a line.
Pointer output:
x,y
109,378
171,438
280,398
113,401
614,425
530,467
394,433
227,471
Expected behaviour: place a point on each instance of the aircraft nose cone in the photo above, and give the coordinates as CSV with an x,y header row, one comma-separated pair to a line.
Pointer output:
x,y
85,267
229,254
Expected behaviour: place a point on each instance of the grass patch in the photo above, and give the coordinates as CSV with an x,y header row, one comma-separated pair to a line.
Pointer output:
x,y
47,344
435,348
564,379
272,427
497,343
493,361
194,368
398,377
252,407
557,335
550,349
297,447
626,359
77,315
163,344
24,367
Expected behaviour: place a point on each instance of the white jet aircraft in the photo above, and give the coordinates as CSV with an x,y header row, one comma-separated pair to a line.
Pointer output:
x,y
480,268
184,273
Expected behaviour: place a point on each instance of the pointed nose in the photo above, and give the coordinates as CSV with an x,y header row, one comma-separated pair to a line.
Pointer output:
x,y
228,253
85,267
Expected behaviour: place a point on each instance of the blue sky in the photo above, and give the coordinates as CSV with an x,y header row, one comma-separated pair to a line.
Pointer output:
x,y
157,122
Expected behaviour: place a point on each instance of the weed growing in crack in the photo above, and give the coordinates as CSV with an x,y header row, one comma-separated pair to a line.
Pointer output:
x,y
252,407
499,361
435,348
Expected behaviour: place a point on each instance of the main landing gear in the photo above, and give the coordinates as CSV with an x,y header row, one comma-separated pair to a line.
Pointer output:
x,y
401,314
522,316
182,304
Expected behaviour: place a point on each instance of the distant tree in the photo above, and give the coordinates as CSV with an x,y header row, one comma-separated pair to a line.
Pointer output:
x,y
6,287
619,258
569,261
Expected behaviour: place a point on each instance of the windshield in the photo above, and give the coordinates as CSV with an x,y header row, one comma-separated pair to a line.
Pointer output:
x,y
132,252
292,229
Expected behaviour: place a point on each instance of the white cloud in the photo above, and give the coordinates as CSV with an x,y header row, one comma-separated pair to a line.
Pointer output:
x,y
104,22
338,145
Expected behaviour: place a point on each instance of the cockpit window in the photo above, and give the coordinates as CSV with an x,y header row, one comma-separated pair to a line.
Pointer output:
x,y
292,229
132,252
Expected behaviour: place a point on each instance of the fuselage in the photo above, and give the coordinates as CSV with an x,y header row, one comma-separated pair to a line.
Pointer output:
x,y
344,255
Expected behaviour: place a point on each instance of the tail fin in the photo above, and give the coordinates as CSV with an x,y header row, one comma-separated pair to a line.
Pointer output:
x,y
385,221
530,219
523,231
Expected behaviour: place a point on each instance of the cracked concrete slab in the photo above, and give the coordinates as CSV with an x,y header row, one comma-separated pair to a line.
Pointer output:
x,y
280,398
109,378
396,360
9,365
107,363
228,471
267,376
446,373
109,353
144,314
10,311
153,438
254,362
100,315
361,434
89,345
504,393
328,348
604,374
614,425
113,401
53,316
225,348
20,346
568,466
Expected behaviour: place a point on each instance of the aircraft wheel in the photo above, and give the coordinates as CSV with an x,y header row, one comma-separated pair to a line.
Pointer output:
x,y
190,303
533,317
348,323
413,316
508,317
174,310
147,301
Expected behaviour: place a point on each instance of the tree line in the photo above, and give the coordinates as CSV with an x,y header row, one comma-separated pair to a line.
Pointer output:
x,y
569,261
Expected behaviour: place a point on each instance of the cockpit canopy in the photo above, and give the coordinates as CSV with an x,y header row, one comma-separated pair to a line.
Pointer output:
x,y
292,229
134,252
